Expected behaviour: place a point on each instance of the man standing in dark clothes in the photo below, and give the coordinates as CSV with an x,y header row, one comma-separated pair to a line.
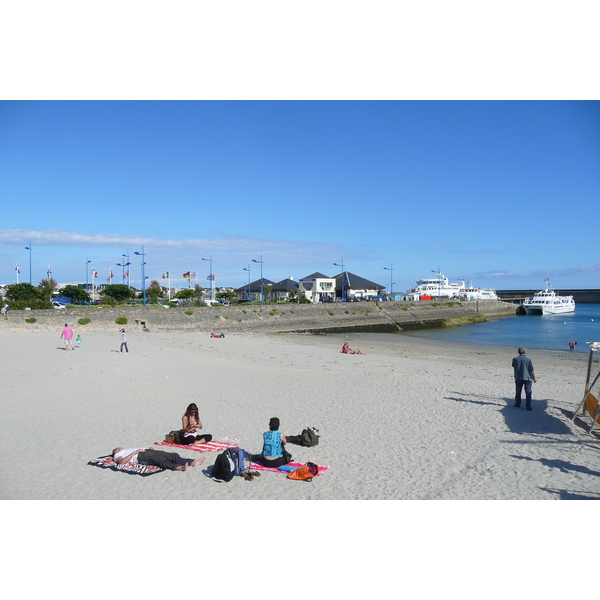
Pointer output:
x,y
524,376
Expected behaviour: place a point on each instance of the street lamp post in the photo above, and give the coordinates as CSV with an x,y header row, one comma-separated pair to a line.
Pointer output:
x,y
29,248
341,265
123,265
248,282
262,297
127,264
143,255
391,270
87,262
211,277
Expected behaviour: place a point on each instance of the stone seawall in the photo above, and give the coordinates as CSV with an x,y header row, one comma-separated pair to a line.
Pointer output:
x,y
313,318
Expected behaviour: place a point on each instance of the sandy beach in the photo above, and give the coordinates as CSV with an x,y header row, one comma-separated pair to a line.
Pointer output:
x,y
413,419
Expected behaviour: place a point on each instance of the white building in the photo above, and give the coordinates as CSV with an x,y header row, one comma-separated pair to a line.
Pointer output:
x,y
318,288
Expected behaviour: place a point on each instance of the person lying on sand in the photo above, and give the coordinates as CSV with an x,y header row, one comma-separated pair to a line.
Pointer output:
x,y
220,335
156,458
347,350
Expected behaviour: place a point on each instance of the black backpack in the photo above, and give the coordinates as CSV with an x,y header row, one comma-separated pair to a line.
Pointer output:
x,y
309,437
229,463
223,469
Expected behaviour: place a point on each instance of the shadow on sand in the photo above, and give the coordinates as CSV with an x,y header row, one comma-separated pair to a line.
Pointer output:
x,y
567,495
519,420
561,465
578,422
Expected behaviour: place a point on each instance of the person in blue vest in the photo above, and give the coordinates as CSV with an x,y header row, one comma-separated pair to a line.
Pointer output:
x,y
273,453
524,377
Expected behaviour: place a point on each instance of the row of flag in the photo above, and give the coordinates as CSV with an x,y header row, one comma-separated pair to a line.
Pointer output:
x,y
189,275
167,275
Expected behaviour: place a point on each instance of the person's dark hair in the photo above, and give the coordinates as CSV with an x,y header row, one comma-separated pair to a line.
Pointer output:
x,y
192,409
274,424
521,350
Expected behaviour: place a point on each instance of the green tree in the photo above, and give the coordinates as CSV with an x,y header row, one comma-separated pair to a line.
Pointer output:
x,y
154,291
185,294
22,291
25,295
48,287
118,292
197,292
76,293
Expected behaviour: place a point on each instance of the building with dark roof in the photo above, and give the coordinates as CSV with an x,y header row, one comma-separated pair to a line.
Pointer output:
x,y
351,287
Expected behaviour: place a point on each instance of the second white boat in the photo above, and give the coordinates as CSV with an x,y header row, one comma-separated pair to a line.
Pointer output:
x,y
548,302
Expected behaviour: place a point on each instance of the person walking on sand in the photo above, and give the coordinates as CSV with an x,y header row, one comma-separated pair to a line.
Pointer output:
x,y
78,340
155,458
123,341
67,335
524,376
5,310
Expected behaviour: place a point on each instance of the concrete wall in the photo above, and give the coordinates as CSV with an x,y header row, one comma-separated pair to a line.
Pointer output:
x,y
331,317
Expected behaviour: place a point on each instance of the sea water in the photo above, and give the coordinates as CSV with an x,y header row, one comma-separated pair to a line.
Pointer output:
x,y
544,332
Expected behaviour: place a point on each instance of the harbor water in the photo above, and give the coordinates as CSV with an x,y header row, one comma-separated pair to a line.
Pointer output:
x,y
543,332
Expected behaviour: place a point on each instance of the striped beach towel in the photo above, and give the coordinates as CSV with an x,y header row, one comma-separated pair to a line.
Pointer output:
x,y
107,462
259,467
208,447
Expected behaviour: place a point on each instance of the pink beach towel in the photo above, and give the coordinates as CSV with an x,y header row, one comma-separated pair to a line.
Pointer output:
x,y
208,447
259,467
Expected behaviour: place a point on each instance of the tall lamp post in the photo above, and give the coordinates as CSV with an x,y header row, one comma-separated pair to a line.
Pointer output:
x,y
211,277
341,265
248,282
143,255
262,297
87,262
123,265
391,270
127,274
29,248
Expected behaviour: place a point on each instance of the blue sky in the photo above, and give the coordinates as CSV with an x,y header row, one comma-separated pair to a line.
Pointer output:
x,y
500,192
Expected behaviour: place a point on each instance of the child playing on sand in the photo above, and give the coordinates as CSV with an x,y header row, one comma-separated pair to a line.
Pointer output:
x,y
78,340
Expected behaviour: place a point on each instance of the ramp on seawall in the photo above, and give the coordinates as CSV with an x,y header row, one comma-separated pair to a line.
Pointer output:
x,y
276,318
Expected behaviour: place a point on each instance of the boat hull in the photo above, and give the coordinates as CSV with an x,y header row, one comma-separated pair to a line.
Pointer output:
x,y
550,309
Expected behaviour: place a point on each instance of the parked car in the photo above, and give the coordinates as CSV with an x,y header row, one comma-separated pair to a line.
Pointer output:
x,y
58,305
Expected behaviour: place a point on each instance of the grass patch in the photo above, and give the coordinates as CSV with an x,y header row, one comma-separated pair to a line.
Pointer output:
x,y
189,313
121,321
31,320
84,321
330,313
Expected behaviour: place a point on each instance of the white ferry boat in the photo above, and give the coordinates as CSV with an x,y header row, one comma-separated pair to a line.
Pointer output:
x,y
548,302
471,293
438,286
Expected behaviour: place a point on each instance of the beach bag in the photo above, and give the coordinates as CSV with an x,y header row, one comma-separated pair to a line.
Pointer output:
x,y
305,472
309,437
223,469
239,456
175,437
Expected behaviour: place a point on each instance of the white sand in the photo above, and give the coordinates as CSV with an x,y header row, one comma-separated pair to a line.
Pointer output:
x,y
413,419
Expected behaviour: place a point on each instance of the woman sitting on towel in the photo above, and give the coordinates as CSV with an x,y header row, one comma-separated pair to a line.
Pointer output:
x,y
273,453
191,423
